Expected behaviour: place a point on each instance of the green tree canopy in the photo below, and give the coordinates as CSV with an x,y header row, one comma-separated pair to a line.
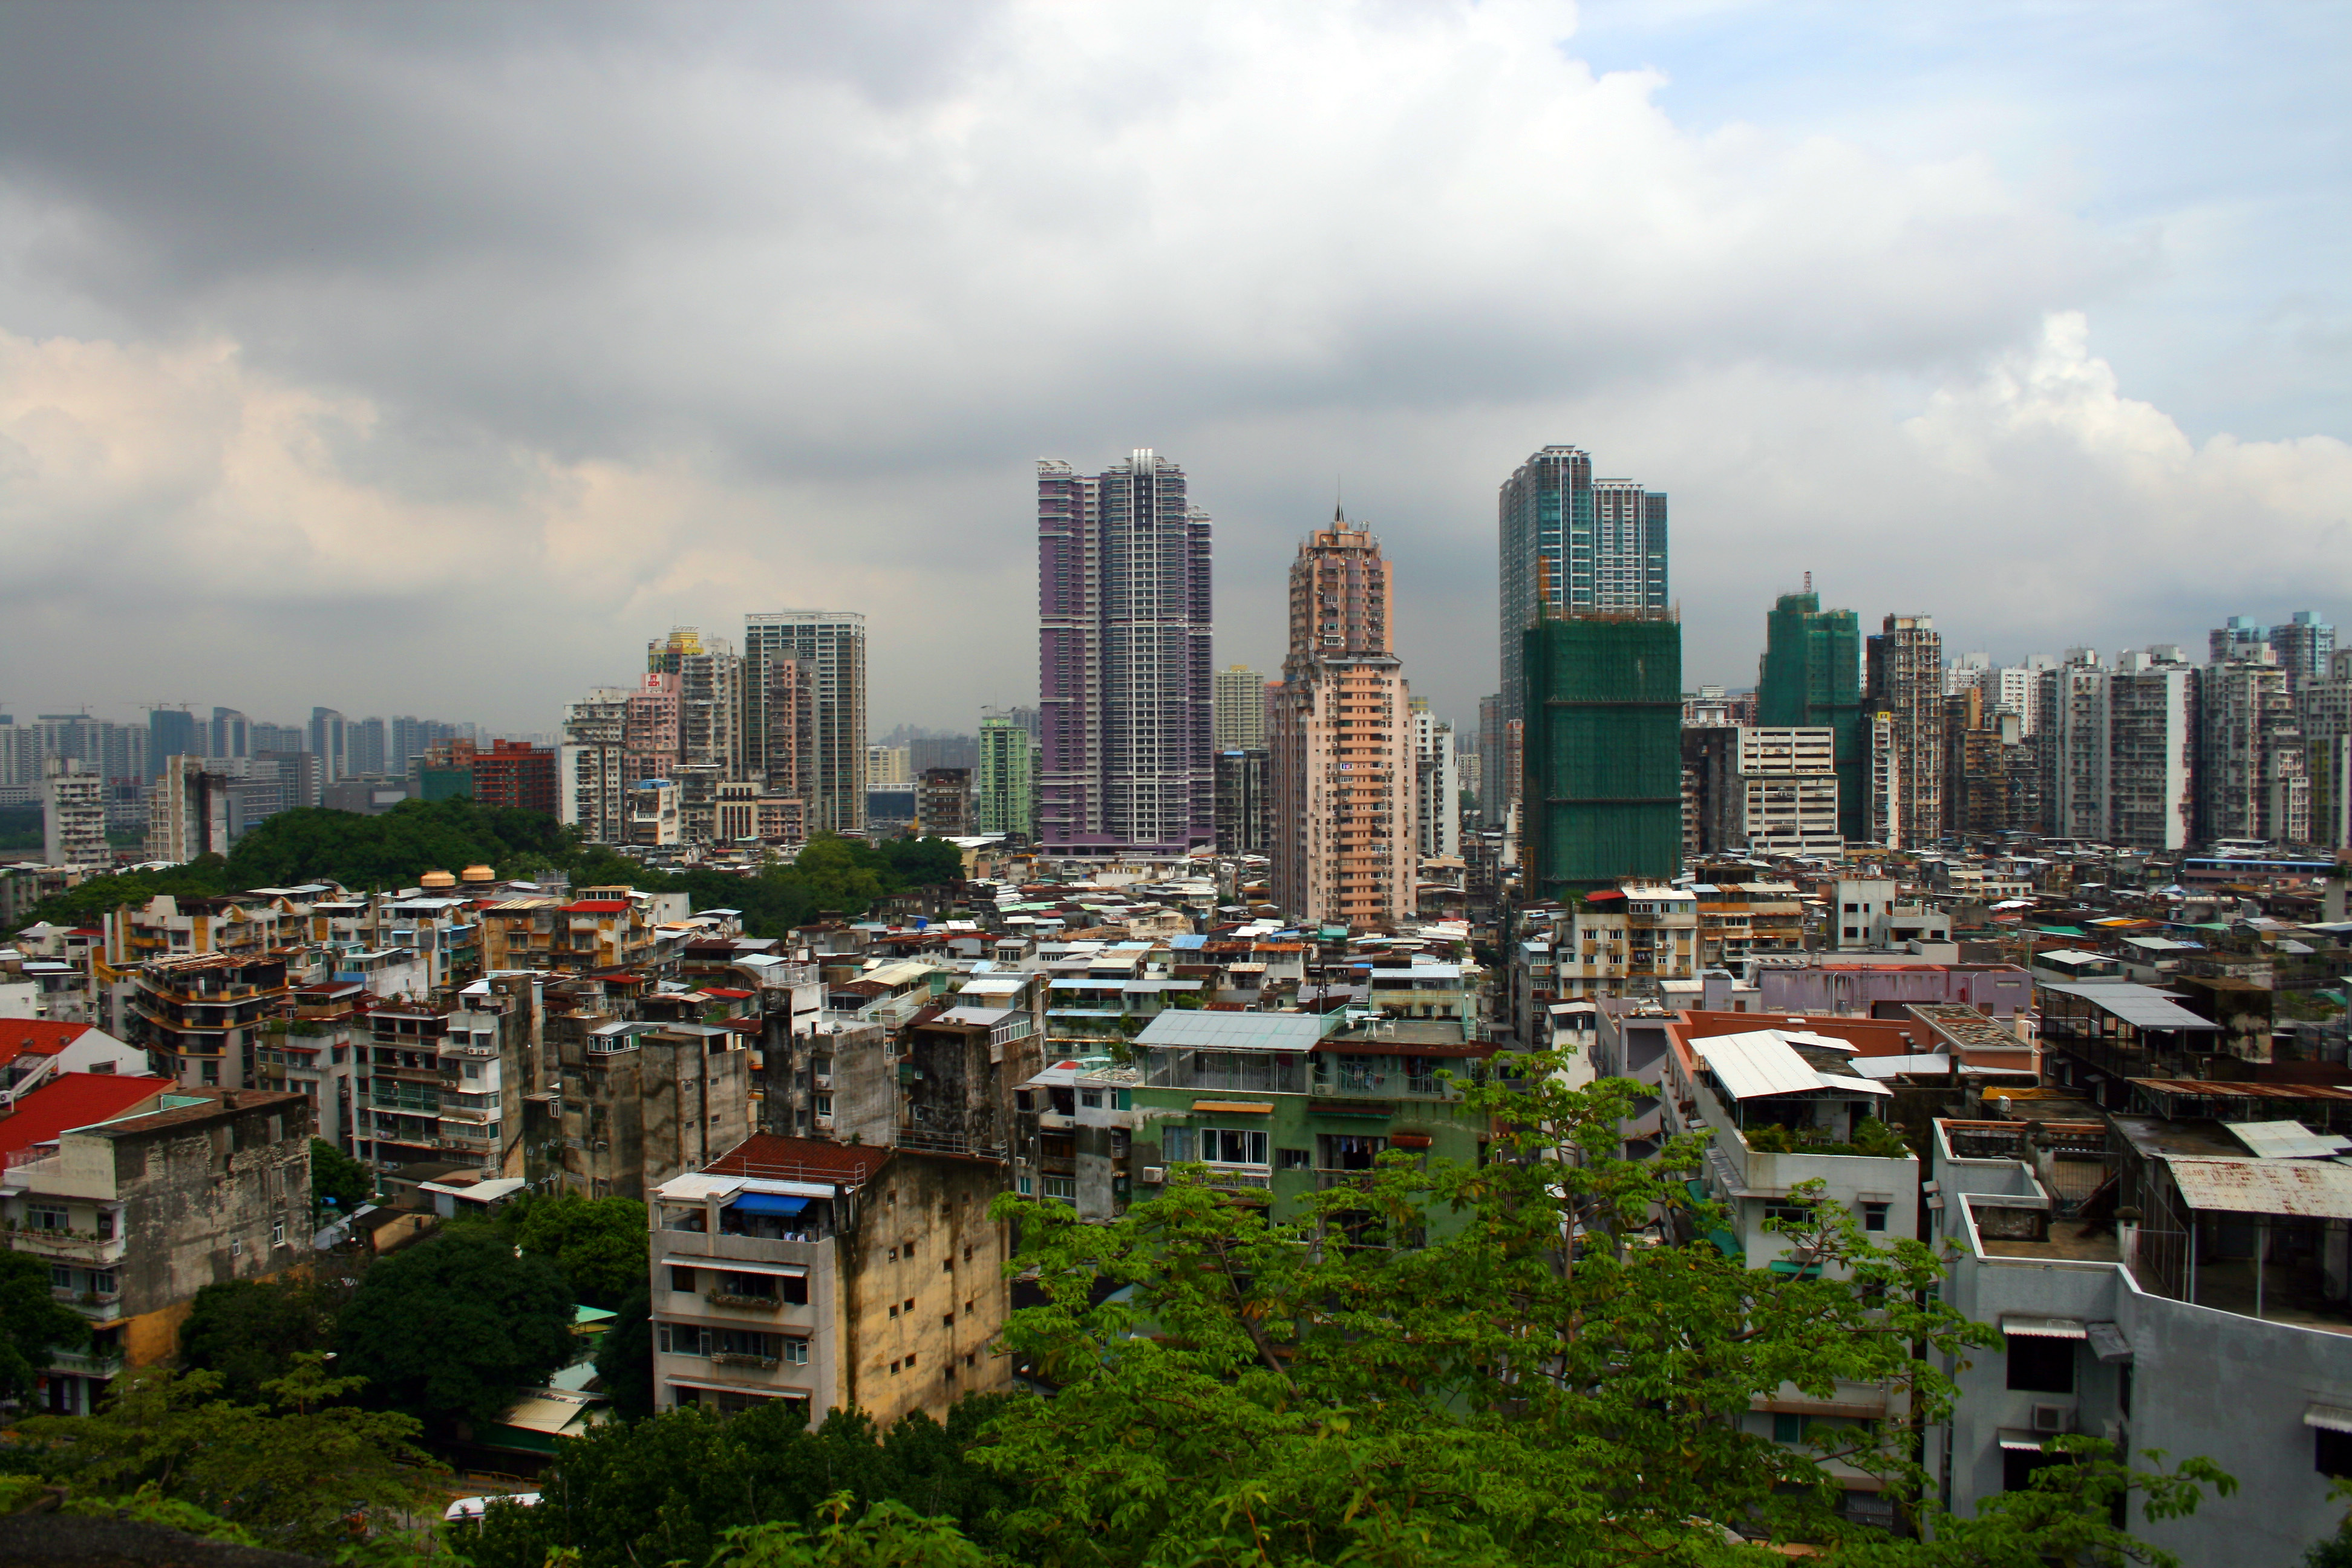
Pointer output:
x,y
668,1490
598,1244
288,1474
392,850
32,1322
335,1174
253,1331
450,1329
1420,1370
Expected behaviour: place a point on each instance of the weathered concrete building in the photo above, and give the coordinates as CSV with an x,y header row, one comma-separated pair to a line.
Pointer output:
x,y
829,1275
646,1101
135,1216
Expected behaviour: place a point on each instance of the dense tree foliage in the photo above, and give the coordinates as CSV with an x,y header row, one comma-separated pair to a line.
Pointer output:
x,y
625,1356
448,1330
289,1475
599,1245
668,1489
335,1174
32,1322
252,1332
1420,1372
392,850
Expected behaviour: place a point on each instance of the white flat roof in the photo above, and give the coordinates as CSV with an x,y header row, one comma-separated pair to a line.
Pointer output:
x,y
1760,1063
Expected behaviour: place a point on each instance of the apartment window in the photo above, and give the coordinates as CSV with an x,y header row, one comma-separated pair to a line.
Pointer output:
x,y
106,1224
1790,1428
46,1217
1175,1146
1232,1146
795,1350
1873,1215
681,1279
910,1362
1294,1159
1065,1188
1091,1097
60,1277
277,1234
2037,1365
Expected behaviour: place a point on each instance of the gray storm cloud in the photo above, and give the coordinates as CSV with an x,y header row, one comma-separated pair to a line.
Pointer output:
x,y
431,358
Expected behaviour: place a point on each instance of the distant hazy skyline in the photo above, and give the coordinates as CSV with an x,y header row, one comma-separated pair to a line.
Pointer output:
x,y
431,359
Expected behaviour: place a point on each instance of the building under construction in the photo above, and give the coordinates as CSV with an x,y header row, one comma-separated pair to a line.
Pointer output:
x,y
1811,677
1603,796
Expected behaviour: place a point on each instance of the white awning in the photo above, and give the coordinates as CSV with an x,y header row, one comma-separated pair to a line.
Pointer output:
x,y
2020,1442
756,1390
2043,1328
2333,1417
737,1265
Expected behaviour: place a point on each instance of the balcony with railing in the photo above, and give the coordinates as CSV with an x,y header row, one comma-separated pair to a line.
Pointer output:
x,y
80,1246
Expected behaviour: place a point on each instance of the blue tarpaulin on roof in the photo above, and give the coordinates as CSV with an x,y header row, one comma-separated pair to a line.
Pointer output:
x,y
767,1203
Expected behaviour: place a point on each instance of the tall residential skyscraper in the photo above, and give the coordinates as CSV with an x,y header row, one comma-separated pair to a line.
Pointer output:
x,y
1006,792
1811,677
172,732
1604,797
327,743
1573,543
827,649
1123,660
1906,674
1240,709
1344,824
1439,786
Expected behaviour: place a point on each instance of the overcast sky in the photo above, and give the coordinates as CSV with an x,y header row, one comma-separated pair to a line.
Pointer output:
x,y
431,359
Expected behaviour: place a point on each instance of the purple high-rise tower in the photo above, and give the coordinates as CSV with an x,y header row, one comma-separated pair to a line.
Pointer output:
x,y
1123,661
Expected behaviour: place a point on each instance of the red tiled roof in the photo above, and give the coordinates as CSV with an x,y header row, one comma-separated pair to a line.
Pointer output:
x,y
798,1159
73,1099
41,1037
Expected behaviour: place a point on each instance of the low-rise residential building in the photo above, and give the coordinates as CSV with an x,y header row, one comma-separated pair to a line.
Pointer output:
x,y
1285,1103
829,1275
201,1018
143,1196
645,1102
2214,1322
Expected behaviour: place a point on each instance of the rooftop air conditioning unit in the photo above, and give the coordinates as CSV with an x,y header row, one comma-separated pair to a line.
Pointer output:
x,y
2054,1418
1155,1174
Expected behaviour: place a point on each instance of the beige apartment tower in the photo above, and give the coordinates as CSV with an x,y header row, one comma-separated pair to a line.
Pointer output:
x,y
1345,791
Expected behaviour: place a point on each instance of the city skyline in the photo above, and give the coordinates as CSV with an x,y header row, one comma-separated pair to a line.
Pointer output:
x,y
1928,293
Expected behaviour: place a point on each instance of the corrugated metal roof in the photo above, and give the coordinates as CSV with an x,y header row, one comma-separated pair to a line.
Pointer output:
x,y
1238,1031
1760,1063
2142,1007
2287,1140
2317,1189
2333,1417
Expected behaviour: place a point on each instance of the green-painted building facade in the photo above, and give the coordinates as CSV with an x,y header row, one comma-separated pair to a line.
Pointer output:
x,y
1293,1103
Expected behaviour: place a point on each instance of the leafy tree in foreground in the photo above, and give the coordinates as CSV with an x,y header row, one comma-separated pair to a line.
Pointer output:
x,y
669,1489
251,1332
32,1322
289,1477
450,1329
1315,1392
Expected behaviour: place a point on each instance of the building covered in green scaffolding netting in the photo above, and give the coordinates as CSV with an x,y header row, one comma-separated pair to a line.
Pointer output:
x,y
1812,676
1602,798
